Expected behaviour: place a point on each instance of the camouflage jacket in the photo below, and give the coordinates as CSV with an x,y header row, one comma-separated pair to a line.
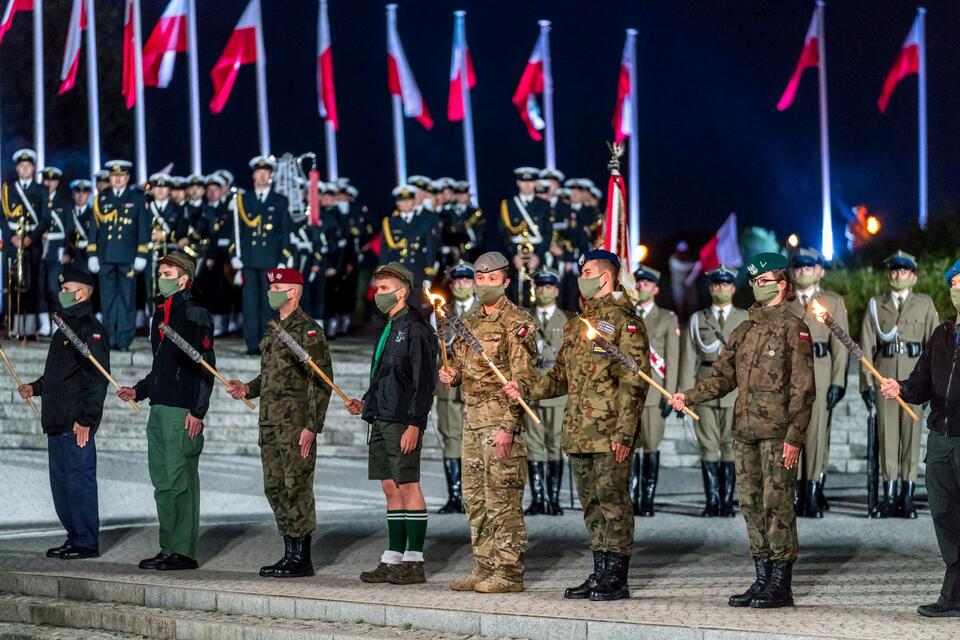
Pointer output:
x,y
508,338
290,392
604,398
769,357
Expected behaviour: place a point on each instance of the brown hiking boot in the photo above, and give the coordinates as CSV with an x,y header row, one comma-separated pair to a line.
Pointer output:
x,y
408,573
498,584
382,573
469,581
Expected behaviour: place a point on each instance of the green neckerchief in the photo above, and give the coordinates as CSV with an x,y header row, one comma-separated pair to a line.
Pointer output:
x,y
382,343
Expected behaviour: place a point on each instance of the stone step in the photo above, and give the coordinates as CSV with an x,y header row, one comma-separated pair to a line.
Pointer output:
x,y
21,631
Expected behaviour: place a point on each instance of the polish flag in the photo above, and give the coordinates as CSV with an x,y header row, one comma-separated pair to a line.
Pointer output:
x,y
809,59
326,98
166,40
12,7
723,248
129,74
71,52
400,80
908,62
615,233
622,116
241,49
461,53
531,83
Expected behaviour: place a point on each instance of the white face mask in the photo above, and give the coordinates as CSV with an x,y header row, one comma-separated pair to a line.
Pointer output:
x,y
343,206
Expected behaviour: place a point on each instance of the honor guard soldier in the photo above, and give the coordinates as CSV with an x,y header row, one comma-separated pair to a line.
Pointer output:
x,y
604,400
587,218
75,392
409,235
896,327
450,405
663,333
526,222
262,225
55,244
830,360
422,199
25,221
81,216
102,180
459,221
293,407
167,226
494,451
216,279
473,221
355,231
545,466
705,339
119,244
565,243
178,190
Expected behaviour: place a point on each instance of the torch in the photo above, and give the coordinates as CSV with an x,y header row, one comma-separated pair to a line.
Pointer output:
x,y
823,316
613,352
437,301
16,378
302,355
85,352
194,355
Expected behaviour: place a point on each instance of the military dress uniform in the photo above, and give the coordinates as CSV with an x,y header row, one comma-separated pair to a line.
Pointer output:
x,y
81,217
355,230
896,327
463,228
409,238
56,248
526,225
167,218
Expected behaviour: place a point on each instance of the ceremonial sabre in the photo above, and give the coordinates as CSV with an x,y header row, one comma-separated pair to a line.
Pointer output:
x,y
823,316
436,301
16,378
85,352
619,356
302,354
471,341
194,355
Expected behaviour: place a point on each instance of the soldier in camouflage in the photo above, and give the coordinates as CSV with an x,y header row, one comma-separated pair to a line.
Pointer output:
x,y
769,358
293,405
494,451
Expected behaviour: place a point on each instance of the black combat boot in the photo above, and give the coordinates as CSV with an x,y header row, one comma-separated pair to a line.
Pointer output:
x,y
812,509
582,591
798,498
905,506
451,469
270,570
728,488
763,567
613,585
651,469
537,505
888,507
711,488
299,564
554,481
778,592
635,482
821,496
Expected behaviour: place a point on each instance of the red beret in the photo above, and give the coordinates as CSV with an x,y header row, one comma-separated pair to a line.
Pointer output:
x,y
284,276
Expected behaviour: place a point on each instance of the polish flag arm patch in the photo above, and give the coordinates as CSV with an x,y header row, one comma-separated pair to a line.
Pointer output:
x,y
522,331
311,333
804,335
96,337
631,328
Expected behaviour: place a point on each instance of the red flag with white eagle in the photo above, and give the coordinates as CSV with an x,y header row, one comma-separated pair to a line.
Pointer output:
x,y
13,6
723,248
241,49
616,236
400,80
622,116
907,63
809,59
531,85
71,52
326,98
166,40
460,63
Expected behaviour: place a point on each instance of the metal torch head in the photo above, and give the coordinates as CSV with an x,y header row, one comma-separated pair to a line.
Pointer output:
x,y
819,311
436,300
591,332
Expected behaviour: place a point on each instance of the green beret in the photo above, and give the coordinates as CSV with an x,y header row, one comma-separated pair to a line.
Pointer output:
x,y
764,262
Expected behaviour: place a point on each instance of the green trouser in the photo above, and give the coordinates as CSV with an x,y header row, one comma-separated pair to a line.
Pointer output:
x,y
172,458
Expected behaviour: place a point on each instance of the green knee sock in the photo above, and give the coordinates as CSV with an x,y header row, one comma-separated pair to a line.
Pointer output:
x,y
397,530
416,534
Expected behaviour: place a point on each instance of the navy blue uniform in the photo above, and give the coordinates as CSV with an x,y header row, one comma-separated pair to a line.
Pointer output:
x,y
35,221
528,230
56,245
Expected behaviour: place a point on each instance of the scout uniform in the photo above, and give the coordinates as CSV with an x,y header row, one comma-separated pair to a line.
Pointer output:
x,y
409,238
769,358
896,327
700,346
493,486
663,333
526,224
604,400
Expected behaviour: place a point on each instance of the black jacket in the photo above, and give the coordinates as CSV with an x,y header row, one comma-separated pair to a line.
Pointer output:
x,y
936,379
401,389
75,388
175,380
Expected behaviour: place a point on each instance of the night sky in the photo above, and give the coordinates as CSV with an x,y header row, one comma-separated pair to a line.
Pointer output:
x,y
710,74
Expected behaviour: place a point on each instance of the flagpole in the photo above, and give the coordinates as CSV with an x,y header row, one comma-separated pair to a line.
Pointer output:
x,y
93,91
826,234
399,143
138,109
549,143
262,115
633,156
922,110
330,138
38,120
470,155
196,161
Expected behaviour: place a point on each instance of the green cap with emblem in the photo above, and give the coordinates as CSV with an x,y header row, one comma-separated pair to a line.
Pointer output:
x,y
765,262
491,261
395,270
181,260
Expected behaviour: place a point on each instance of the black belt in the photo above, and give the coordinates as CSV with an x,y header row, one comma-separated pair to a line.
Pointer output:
x,y
910,349
821,349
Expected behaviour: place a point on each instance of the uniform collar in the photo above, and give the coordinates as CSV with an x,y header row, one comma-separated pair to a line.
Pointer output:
x,y
549,310
725,309
810,291
78,310
902,295
118,193
498,310
762,313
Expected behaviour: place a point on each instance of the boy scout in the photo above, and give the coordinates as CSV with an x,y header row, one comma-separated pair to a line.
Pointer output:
x,y
895,329
494,451
293,405
600,421
704,341
830,370
179,393
663,332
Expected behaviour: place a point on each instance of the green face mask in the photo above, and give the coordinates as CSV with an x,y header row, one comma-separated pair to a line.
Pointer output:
x,y
805,281
489,294
899,284
276,299
385,301
168,286
765,293
721,297
644,296
955,298
589,287
546,298
463,294
67,298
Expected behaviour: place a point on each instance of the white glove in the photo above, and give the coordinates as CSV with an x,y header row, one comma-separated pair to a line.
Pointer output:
x,y
311,277
285,265
93,264
236,263
139,264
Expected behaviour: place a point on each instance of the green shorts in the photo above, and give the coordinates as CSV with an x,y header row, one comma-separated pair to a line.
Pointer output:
x,y
385,462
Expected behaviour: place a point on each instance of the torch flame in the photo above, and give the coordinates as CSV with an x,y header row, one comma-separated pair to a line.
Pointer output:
x,y
436,300
591,332
819,311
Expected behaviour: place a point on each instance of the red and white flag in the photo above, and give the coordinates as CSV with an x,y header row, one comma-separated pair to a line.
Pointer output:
x,y
616,237
166,40
531,84
723,248
400,80
622,114
326,98
459,59
12,7
71,52
241,49
908,62
809,59
129,74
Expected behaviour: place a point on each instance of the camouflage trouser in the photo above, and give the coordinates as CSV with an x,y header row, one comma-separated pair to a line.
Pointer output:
x,y
450,426
715,433
543,440
288,479
766,488
602,484
652,426
493,499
